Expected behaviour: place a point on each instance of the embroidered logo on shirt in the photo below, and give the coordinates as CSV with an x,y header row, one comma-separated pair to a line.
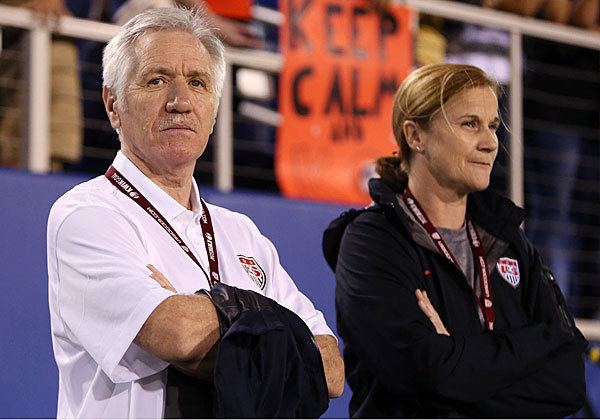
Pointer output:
x,y
254,270
509,270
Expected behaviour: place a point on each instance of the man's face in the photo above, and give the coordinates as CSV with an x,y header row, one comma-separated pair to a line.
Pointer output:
x,y
167,111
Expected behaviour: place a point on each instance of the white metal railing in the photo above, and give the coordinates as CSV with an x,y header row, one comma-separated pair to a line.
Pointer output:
x,y
38,88
38,159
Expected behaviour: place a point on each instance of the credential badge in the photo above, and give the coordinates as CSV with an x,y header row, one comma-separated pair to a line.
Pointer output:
x,y
254,270
509,270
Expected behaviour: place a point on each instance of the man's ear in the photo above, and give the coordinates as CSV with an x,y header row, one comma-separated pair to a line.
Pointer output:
x,y
412,132
213,125
111,106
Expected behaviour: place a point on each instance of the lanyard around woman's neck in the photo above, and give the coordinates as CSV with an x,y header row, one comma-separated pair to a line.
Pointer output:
x,y
127,188
487,305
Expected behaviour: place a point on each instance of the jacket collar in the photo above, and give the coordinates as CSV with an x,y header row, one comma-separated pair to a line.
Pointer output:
x,y
496,214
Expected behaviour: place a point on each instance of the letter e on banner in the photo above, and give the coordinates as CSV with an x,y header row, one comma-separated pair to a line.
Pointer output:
x,y
342,65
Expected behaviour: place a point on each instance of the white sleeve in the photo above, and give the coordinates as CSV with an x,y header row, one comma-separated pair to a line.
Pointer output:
x,y
105,293
281,288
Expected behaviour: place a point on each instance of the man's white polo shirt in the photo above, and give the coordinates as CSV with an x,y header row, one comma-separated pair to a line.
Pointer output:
x,y
100,292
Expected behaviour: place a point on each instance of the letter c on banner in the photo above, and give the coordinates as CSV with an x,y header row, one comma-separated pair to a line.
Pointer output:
x,y
301,108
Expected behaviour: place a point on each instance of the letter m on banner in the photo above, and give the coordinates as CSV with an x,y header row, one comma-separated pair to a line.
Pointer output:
x,y
342,65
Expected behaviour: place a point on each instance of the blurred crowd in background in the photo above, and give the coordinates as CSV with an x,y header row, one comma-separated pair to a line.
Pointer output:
x,y
561,111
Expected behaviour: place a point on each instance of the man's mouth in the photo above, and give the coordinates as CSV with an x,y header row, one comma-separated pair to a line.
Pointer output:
x,y
177,127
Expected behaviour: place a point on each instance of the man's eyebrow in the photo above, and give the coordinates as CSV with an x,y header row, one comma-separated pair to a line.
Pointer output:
x,y
199,73
168,72
158,70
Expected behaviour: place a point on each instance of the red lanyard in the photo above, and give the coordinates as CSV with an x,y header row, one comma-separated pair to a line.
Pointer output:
x,y
487,306
208,233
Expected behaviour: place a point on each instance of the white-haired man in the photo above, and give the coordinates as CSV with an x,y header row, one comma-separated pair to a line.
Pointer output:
x,y
117,322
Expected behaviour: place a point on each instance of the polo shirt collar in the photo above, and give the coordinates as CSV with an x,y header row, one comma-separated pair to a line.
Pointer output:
x,y
195,200
163,202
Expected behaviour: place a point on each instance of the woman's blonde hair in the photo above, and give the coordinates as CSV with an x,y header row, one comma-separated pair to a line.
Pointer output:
x,y
419,98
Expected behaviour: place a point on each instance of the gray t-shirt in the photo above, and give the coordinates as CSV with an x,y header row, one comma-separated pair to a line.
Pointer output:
x,y
458,242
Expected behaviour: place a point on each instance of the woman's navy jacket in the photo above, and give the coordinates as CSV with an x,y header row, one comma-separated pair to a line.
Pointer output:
x,y
531,365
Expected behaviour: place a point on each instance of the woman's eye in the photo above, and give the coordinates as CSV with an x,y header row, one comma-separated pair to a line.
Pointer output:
x,y
470,124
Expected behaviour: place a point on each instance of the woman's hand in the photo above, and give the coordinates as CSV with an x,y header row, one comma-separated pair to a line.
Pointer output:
x,y
234,33
48,11
161,279
49,8
430,312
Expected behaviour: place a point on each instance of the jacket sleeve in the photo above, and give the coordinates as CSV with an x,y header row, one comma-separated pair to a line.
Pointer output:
x,y
377,274
558,389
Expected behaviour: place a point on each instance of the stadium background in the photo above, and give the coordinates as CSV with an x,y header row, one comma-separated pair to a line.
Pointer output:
x,y
541,154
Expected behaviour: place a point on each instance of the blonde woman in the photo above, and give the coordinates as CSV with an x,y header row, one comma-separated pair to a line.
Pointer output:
x,y
444,307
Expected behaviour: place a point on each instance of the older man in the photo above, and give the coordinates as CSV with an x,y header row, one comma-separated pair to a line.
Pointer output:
x,y
115,329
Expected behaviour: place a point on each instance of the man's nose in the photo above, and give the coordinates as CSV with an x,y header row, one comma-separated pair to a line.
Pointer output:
x,y
179,98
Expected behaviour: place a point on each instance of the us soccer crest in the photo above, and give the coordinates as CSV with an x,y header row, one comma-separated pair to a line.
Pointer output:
x,y
254,270
509,270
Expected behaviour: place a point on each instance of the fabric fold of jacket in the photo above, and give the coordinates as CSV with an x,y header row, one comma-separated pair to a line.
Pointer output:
x,y
267,366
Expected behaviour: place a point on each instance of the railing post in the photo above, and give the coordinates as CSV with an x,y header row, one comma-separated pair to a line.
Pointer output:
x,y
37,101
516,188
224,146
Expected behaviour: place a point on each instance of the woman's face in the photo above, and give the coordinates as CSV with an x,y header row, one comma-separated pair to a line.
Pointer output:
x,y
461,145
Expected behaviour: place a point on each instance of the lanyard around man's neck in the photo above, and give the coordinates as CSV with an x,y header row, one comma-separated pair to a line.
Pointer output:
x,y
127,188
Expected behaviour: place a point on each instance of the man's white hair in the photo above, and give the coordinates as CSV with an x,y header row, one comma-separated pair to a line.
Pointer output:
x,y
117,60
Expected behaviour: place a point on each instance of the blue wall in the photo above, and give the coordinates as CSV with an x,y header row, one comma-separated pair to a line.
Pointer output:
x,y
28,380
28,383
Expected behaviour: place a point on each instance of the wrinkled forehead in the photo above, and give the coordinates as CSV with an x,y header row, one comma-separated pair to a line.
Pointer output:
x,y
479,100
168,47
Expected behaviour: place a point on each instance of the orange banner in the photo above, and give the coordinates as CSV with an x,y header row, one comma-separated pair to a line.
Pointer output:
x,y
235,9
343,64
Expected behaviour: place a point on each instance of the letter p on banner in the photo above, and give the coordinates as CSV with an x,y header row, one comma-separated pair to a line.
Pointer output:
x,y
343,63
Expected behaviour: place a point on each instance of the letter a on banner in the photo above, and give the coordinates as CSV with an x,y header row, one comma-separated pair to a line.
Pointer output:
x,y
342,65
